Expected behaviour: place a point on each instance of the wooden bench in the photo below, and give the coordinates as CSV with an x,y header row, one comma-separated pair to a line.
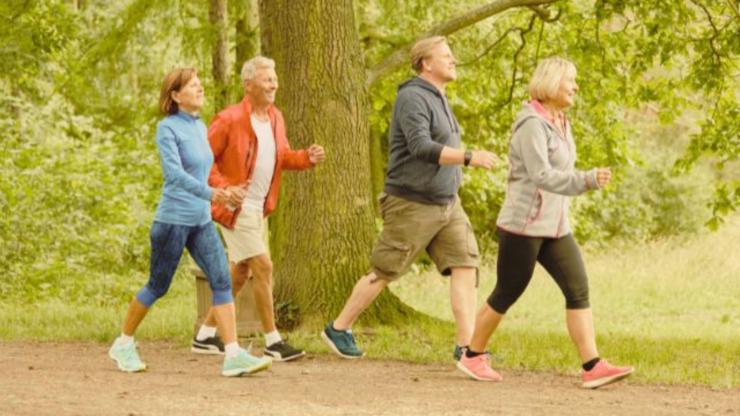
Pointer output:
x,y
247,318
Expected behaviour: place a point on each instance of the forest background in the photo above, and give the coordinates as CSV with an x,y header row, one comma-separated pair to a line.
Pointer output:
x,y
658,103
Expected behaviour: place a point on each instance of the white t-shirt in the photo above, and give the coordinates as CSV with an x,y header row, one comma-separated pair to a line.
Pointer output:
x,y
264,166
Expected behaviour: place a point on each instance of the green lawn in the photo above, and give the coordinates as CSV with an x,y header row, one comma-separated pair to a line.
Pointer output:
x,y
671,308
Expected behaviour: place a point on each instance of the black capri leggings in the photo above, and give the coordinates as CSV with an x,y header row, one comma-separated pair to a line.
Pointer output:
x,y
517,256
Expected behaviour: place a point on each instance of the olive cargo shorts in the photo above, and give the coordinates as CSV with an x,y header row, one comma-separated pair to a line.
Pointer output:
x,y
409,227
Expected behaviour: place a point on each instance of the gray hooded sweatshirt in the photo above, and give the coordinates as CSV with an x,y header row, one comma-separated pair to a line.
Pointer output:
x,y
422,125
542,177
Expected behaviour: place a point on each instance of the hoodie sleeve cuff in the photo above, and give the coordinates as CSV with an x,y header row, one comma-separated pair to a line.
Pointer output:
x,y
591,181
433,152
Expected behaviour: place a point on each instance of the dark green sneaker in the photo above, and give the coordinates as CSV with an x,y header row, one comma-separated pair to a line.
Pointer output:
x,y
341,342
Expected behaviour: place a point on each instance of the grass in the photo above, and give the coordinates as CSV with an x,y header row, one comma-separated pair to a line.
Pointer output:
x,y
54,320
671,308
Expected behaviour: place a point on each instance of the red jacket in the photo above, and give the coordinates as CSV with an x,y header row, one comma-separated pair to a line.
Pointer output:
x,y
234,146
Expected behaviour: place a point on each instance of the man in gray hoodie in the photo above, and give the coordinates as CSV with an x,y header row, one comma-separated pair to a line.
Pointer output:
x,y
419,206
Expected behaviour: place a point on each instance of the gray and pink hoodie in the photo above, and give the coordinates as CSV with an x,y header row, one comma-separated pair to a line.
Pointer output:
x,y
542,176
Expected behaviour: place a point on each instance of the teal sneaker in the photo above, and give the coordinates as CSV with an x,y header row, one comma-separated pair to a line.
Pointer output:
x,y
341,342
126,357
245,363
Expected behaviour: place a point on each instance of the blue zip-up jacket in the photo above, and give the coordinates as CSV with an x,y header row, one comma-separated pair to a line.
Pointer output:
x,y
186,159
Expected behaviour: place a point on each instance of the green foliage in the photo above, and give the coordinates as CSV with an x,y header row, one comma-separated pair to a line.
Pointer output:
x,y
80,177
77,204
79,172
633,59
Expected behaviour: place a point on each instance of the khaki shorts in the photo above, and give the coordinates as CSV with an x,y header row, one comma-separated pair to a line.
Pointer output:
x,y
409,227
248,238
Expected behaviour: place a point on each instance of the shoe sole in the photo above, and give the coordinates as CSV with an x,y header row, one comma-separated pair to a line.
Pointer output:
x,y
122,368
336,350
595,384
206,351
278,358
238,372
470,374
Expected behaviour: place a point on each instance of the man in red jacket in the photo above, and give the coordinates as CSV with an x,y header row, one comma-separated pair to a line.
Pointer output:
x,y
250,148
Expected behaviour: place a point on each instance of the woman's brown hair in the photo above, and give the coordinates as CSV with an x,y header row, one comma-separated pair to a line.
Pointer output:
x,y
174,82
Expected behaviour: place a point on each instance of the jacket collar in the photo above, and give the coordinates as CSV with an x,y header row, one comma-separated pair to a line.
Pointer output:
x,y
542,111
247,108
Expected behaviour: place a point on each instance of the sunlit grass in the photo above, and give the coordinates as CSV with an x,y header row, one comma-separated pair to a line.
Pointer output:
x,y
172,317
671,308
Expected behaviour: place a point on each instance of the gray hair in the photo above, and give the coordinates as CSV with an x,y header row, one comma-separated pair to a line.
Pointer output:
x,y
249,69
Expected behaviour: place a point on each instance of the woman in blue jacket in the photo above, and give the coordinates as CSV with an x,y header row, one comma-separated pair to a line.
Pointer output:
x,y
183,220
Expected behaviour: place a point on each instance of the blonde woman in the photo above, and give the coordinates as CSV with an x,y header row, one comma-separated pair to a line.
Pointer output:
x,y
533,224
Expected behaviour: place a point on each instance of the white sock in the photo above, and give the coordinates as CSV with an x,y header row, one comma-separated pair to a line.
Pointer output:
x,y
205,332
232,349
272,338
124,339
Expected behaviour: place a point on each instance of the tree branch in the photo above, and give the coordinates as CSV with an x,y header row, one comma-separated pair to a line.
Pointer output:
x,y
490,47
711,39
374,36
515,60
734,8
544,14
541,13
399,56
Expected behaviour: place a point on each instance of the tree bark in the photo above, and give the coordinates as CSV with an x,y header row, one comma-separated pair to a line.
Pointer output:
x,y
247,39
400,56
218,17
324,227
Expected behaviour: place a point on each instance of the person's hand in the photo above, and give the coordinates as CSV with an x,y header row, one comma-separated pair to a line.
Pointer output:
x,y
603,176
483,159
316,154
219,196
236,194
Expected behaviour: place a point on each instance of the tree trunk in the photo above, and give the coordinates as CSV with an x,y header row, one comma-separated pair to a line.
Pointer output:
x,y
247,39
219,55
324,228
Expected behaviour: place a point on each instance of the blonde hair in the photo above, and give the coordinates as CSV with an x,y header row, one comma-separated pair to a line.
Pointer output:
x,y
546,79
249,69
422,49
174,82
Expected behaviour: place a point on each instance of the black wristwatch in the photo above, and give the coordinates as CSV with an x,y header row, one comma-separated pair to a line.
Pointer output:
x,y
468,157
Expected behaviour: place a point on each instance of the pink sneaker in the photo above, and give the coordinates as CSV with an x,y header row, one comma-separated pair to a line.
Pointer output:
x,y
479,368
604,373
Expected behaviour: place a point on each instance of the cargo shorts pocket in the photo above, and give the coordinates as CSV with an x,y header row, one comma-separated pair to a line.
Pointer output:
x,y
472,243
389,257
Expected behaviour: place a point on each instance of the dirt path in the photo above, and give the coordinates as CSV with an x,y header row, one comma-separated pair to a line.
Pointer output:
x,y
79,379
